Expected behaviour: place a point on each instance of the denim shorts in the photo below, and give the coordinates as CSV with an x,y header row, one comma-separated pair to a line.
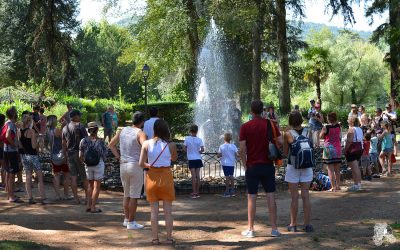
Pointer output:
x,y
31,162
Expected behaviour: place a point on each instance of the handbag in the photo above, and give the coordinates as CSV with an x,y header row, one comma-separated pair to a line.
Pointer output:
x,y
355,147
57,159
273,151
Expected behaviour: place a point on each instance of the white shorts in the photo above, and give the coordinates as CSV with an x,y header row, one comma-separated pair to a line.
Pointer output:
x,y
95,173
298,175
132,179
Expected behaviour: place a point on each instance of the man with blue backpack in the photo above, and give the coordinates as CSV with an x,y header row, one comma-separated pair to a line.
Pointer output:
x,y
299,149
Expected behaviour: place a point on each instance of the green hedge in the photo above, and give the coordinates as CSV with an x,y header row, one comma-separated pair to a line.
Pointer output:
x,y
179,115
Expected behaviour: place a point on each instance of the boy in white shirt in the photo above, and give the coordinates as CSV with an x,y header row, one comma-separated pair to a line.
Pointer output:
x,y
194,147
228,152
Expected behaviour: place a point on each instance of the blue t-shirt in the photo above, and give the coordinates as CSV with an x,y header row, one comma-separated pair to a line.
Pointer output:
x,y
108,119
374,145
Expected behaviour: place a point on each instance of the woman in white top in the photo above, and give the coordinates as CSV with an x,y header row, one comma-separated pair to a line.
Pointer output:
x,y
157,155
354,136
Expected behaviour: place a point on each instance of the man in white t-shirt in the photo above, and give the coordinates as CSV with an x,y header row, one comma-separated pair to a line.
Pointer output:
x,y
194,147
148,128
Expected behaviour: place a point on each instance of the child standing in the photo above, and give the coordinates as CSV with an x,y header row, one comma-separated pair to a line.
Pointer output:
x,y
228,152
365,164
194,147
387,148
373,152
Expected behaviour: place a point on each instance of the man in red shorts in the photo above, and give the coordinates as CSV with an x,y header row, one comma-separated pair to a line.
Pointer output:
x,y
254,136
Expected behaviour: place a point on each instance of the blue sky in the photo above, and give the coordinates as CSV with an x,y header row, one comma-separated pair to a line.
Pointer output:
x,y
92,10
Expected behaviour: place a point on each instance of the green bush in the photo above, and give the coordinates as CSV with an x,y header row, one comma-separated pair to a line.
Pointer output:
x,y
19,105
179,115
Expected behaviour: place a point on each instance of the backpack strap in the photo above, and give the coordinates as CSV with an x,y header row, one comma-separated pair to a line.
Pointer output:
x,y
294,134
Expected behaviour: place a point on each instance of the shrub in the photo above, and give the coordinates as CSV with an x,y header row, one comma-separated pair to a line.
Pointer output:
x,y
19,105
179,115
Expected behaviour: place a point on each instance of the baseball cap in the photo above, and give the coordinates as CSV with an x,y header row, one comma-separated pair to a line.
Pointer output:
x,y
74,113
388,105
92,125
353,106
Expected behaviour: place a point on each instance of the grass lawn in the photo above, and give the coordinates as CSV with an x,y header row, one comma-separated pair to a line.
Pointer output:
x,y
21,245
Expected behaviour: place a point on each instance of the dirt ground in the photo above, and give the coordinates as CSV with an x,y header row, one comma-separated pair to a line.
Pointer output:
x,y
342,221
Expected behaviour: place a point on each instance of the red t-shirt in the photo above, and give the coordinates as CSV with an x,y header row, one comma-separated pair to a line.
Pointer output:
x,y
367,145
255,134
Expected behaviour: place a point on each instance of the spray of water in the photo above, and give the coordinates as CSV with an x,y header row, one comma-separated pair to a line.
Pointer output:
x,y
214,94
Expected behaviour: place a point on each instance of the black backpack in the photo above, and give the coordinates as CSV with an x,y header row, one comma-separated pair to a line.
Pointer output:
x,y
92,157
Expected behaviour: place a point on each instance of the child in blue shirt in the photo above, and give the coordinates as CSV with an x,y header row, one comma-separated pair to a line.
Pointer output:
x,y
228,152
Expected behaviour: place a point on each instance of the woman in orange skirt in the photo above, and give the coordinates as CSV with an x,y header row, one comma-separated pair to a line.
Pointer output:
x,y
156,155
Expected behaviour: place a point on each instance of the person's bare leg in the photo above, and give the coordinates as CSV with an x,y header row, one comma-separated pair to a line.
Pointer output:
x,y
132,209
125,204
232,182
167,205
382,161
251,210
56,183
67,180
74,187
272,210
154,219
85,187
294,205
28,184
305,196
10,186
193,173
89,192
390,164
337,175
197,180
227,184
95,194
39,174
331,174
355,172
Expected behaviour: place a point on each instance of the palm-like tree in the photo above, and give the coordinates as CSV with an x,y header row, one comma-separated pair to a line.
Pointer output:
x,y
318,67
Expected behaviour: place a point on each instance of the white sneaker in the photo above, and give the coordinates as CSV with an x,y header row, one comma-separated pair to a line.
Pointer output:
x,y
125,223
134,226
248,234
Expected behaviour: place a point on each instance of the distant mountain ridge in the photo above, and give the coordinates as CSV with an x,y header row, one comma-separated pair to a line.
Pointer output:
x,y
307,27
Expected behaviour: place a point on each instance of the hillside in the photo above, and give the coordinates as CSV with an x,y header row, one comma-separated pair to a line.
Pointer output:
x,y
307,27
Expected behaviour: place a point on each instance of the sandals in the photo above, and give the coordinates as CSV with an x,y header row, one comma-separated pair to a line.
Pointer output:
x,y
155,242
170,242
96,211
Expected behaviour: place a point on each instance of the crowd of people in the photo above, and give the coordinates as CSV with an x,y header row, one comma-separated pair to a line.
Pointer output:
x,y
145,152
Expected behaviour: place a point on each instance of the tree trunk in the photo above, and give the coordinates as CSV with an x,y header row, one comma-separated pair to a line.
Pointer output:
x,y
256,57
353,95
318,88
194,41
394,22
341,98
284,88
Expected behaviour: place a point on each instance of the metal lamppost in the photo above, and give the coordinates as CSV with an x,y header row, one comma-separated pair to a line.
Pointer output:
x,y
145,73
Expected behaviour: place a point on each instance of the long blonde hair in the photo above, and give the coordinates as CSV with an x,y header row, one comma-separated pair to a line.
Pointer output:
x,y
26,120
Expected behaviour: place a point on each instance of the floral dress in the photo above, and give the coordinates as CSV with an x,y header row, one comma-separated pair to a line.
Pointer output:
x,y
332,152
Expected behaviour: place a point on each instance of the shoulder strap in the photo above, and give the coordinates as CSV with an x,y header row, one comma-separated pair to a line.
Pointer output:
x,y
304,132
271,132
162,151
294,133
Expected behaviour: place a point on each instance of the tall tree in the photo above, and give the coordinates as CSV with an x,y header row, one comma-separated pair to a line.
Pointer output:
x,y
257,35
283,57
50,42
390,33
